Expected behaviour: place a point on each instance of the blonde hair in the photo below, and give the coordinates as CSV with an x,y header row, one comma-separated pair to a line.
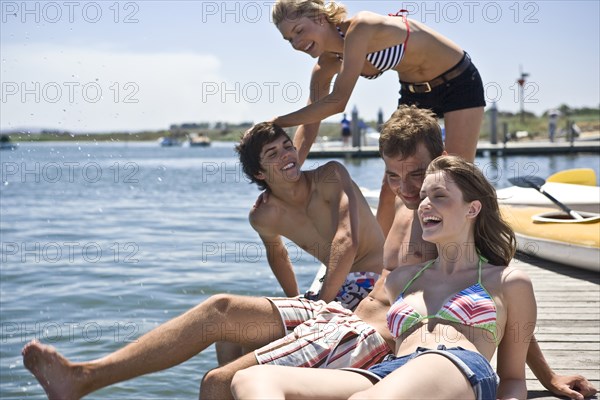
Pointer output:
x,y
335,13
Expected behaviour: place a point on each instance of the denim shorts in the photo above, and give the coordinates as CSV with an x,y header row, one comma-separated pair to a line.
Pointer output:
x,y
464,91
473,365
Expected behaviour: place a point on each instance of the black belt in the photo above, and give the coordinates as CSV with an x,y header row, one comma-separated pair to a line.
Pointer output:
x,y
425,87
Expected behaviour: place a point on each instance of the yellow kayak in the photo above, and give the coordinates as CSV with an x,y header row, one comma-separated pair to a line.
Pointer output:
x,y
576,188
567,242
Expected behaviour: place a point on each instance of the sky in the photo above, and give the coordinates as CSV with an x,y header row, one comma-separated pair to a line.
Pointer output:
x,y
102,66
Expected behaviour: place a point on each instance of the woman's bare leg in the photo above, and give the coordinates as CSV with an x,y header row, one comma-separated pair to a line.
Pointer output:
x,y
216,384
429,376
276,382
462,131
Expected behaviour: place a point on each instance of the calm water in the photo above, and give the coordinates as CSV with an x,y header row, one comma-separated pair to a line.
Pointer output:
x,y
103,242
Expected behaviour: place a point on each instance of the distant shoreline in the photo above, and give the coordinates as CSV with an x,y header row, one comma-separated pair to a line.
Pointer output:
x,y
587,120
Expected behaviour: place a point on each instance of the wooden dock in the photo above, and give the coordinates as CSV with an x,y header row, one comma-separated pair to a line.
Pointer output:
x,y
568,325
483,149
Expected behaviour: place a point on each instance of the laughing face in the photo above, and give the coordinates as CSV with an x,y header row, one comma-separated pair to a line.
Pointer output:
x,y
443,213
405,175
304,34
279,161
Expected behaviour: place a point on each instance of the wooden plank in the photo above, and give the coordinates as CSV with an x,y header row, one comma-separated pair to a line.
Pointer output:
x,y
586,287
589,357
591,374
571,338
535,390
568,326
578,328
562,316
548,296
589,304
583,346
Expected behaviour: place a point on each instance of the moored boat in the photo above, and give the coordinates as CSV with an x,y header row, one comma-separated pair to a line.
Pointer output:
x,y
545,233
168,142
6,144
579,197
198,140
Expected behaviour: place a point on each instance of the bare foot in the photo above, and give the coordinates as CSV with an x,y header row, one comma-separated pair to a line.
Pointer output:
x,y
57,375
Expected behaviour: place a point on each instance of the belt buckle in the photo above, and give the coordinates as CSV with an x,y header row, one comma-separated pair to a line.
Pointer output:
x,y
412,86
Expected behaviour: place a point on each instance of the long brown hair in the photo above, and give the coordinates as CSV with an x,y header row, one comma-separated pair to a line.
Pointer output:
x,y
494,238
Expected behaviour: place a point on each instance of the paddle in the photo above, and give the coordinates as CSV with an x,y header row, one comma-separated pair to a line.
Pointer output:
x,y
536,182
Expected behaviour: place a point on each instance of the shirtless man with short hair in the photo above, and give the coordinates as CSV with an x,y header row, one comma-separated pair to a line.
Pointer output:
x,y
322,211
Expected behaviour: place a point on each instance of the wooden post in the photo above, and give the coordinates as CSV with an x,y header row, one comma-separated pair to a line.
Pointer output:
x,y
355,127
494,124
505,131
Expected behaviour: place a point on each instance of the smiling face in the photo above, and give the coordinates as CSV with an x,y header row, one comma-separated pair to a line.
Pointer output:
x,y
279,162
405,175
304,34
443,212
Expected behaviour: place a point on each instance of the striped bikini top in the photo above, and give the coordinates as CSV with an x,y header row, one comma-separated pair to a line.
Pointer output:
x,y
472,306
385,59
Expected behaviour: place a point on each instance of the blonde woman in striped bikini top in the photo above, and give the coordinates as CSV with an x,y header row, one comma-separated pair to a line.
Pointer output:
x,y
367,45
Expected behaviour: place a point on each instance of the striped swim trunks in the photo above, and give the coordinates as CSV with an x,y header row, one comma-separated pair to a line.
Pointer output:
x,y
296,310
334,338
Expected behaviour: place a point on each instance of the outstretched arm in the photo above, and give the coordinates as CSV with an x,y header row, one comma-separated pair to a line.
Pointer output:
x,y
320,83
572,386
355,50
323,103
304,138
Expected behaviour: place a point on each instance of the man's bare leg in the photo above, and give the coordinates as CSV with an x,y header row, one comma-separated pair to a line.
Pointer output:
x,y
216,384
227,352
250,321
